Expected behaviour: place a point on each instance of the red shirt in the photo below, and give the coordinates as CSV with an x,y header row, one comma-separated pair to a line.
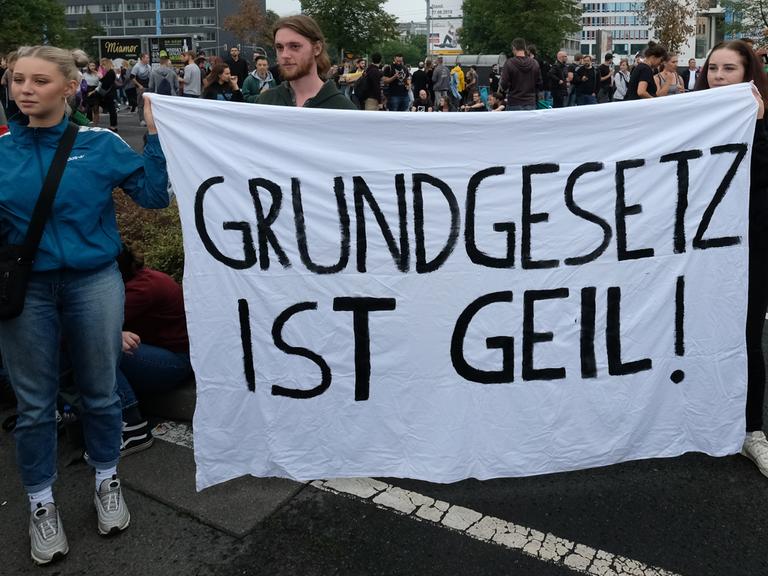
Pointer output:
x,y
154,309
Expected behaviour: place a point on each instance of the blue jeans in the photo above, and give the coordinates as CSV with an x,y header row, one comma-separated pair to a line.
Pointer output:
x,y
150,369
519,108
585,99
85,308
397,103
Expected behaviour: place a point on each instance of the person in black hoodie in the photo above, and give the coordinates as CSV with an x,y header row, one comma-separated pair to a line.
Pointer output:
x,y
521,78
733,62
586,82
372,91
221,85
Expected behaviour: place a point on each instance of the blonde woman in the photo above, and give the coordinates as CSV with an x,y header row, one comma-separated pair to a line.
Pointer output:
x,y
107,89
75,292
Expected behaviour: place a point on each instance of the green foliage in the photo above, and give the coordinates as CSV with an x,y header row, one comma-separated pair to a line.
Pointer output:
x,y
491,25
154,233
750,18
672,20
247,24
88,26
413,49
31,22
352,25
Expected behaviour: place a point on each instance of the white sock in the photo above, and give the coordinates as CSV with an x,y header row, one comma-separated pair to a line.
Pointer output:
x,y
42,497
104,474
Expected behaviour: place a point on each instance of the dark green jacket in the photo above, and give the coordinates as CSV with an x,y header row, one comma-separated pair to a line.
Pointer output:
x,y
328,97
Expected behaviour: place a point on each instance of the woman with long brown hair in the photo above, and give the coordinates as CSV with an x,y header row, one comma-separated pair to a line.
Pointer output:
x,y
734,62
221,85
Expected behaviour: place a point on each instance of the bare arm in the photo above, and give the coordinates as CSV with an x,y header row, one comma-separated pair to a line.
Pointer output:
x,y
642,90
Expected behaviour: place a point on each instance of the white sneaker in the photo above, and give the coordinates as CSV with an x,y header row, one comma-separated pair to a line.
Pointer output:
x,y
142,123
756,449
111,510
46,534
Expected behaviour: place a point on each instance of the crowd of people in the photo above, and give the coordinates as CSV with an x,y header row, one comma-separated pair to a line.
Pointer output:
x,y
92,305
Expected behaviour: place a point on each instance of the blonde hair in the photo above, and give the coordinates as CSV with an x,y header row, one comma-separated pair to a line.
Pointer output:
x,y
81,58
63,59
107,63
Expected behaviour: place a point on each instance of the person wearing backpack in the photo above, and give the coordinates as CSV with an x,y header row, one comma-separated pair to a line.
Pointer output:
x,y
163,80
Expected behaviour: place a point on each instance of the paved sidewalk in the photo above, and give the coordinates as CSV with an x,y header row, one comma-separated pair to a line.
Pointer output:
x,y
174,530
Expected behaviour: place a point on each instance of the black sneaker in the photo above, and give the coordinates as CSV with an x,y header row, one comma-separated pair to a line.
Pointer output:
x,y
136,437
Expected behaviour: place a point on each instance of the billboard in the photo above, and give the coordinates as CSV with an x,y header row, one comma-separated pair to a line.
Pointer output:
x,y
125,48
445,20
171,46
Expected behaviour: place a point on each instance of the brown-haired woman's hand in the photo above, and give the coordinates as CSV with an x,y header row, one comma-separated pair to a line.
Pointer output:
x,y
760,102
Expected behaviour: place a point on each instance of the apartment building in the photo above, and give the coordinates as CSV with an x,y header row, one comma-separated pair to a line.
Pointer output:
x,y
202,19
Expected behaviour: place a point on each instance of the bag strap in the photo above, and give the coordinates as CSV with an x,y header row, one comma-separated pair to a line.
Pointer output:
x,y
48,192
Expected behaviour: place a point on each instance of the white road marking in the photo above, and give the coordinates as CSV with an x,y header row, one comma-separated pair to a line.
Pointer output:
x,y
544,547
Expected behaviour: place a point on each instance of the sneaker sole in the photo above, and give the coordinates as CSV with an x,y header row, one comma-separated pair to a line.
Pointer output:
x,y
56,557
748,457
137,447
115,529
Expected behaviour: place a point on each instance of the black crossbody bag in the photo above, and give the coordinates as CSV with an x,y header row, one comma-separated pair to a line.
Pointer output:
x,y
16,259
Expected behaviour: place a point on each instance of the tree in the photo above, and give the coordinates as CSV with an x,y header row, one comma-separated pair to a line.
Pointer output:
x,y
247,24
269,23
673,21
750,17
352,25
413,49
491,25
87,28
31,22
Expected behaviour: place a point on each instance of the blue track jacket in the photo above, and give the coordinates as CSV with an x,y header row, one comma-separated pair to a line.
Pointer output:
x,y
81,231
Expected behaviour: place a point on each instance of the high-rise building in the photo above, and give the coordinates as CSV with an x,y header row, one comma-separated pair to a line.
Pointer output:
x,y
202,19
616,27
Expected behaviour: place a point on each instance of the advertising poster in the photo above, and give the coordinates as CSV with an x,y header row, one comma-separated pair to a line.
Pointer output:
x,y
445,20
173,47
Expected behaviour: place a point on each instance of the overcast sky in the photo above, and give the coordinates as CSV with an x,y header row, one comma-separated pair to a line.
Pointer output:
x,y
405,10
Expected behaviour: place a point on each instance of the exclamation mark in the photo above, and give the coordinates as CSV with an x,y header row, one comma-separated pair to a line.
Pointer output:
x,y
678,375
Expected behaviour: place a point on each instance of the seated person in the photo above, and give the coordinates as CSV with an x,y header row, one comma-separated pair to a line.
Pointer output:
x,y
155,344
476,105
422,103
495,102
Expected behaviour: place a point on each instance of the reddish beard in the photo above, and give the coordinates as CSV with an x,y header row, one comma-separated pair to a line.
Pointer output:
x,y
300,70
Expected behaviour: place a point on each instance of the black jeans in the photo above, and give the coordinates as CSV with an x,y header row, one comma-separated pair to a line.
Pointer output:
x,y
108,105
757,303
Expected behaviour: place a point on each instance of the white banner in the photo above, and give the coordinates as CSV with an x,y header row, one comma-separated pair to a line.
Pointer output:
x,y
544,291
